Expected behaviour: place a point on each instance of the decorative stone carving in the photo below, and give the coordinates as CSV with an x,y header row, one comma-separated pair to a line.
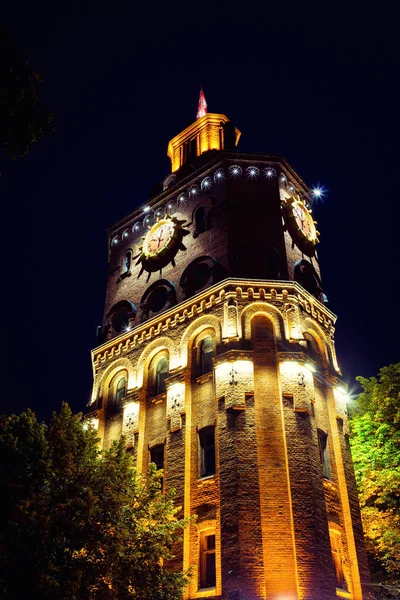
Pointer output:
x,y
131,420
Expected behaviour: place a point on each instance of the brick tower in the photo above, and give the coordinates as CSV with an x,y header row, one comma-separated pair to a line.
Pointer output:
x,y
216,360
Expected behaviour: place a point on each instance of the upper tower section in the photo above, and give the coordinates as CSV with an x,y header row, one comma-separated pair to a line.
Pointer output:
x,y
210,131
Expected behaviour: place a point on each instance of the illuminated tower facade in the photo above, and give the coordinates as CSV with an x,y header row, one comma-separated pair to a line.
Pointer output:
x,y
216,360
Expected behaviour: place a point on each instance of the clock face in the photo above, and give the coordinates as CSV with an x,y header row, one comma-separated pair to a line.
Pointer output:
x,y
161,244
158,238
301,225
304,220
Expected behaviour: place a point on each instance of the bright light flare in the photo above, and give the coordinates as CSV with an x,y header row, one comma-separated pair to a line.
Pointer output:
x,y
318,192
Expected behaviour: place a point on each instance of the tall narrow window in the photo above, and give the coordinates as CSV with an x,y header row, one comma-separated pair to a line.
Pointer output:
x,y
336,550
161,375
206,354
120,392
157,457
200,220
207,559
207,451
323,453
127,263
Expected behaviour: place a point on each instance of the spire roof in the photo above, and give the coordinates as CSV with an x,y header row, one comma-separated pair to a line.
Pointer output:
x,y
202,106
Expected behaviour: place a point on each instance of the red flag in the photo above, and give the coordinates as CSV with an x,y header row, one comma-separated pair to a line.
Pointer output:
x,y
202,107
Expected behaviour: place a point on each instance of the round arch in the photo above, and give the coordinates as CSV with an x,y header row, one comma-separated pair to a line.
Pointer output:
x,y
151,350
263,308
193,330
122,364
319,336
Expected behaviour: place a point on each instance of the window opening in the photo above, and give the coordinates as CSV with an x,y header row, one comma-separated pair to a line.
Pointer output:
x,y
206,355
157,457
161,375
200,220
127,262
207,451
334,537
207,560
120,392
323,453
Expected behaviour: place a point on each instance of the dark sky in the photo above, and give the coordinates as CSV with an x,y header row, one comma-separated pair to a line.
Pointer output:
x,y
317,84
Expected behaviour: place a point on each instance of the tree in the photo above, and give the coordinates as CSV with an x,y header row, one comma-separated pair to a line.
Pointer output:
x,y
23,118
79,523
375,443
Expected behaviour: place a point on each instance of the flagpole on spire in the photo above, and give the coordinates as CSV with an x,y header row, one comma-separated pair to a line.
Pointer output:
x,y
202,106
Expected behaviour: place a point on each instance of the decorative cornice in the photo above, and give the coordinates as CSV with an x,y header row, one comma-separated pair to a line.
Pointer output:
x,y
300,357
131,396
175,377
94,414
277,293
232,355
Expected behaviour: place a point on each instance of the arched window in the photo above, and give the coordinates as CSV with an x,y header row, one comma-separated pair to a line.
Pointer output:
x,y
119,392
122,315
306,275
313,350
161,375
126,266
206,354
200,220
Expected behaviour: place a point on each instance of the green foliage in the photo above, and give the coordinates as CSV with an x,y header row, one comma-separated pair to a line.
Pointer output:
x,y
23,118
375,443
77,523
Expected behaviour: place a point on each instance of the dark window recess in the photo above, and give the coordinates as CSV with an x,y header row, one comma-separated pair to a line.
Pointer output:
x,y
157,456
312,349
206,355
120,392
120,320
207,560
122,315
158,298
207,451
200,220
161,375
323,453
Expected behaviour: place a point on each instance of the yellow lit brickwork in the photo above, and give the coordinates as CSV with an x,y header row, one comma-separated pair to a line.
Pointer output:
x,y
206,133
222,364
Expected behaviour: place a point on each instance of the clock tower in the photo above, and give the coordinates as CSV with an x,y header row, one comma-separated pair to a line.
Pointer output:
x,y
216,361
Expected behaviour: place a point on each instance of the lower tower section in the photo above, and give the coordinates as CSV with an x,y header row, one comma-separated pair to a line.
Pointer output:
x,y
236,394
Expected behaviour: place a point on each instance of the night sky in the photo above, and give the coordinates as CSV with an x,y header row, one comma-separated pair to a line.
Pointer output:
x,y
317,85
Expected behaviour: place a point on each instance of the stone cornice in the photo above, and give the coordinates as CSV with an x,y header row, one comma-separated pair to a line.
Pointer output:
x,y
232,355
278,293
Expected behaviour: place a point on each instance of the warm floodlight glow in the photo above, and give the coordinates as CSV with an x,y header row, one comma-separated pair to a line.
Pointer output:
x,y
176,389
94,422
292,367
240,366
